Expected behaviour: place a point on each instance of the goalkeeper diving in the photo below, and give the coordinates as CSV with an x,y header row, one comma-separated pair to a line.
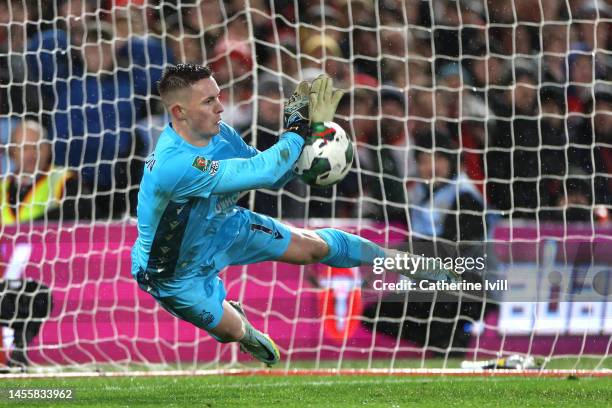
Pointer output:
x,y
189,226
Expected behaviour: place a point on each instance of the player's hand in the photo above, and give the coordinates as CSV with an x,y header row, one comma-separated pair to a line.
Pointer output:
x,y
324,99
296,107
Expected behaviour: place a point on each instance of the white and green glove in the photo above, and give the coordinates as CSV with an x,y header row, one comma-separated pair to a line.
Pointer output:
x,y
311,105
323,100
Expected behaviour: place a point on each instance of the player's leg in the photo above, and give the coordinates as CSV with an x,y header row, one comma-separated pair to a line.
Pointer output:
x,y
266,239
254,342
230,328
235,327
200,300
341,249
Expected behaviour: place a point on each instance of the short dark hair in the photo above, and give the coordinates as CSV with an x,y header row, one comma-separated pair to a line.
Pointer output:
x,y
181,76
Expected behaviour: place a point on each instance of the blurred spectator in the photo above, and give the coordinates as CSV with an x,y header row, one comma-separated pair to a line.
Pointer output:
x,y
446,17
73,17
233,64
129,19
448,57
393,162
322,20
594,155
512,156
360,107
603,138
486,68
364,103
363,36
207,18
36,189
421,102
183,41
91,100
24,306
459,25
323,54
444,204
461,114
591,25
574,202
581,78
7,124
553,162
14,27
554,49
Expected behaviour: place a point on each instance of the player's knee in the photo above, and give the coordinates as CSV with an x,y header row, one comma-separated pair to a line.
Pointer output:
x,y
228,333
306,248
315,249
319,251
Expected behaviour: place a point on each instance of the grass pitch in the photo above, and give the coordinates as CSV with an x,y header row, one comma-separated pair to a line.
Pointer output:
x,y
317,391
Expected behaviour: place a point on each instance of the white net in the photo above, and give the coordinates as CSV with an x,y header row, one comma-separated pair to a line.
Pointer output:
x,y
477,121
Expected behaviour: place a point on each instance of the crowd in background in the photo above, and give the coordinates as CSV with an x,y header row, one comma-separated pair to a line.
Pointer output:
x,y
462,111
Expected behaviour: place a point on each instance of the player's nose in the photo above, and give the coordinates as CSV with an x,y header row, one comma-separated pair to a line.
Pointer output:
x,y
219,107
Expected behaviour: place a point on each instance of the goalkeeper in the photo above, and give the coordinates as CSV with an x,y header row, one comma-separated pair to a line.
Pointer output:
x,y
189,227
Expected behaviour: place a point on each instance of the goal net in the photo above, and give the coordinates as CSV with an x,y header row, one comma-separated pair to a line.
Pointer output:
x,y
482,132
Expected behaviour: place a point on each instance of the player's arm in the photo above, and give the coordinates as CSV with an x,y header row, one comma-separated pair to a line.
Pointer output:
x,y
266,169
290,175
198,176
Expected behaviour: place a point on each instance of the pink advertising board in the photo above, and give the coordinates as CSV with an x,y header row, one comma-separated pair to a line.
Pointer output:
x,y
101,316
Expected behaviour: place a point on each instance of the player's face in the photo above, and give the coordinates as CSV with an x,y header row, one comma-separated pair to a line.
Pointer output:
x,y
203,112
433,165
27,152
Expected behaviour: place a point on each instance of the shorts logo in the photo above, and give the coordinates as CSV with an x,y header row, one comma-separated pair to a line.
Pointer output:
x,y
257,227
214,167
206,317
201,163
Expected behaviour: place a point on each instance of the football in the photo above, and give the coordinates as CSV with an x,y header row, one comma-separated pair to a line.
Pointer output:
x,y
327,156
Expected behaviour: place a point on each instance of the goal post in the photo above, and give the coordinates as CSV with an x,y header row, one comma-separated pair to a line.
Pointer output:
x,y
480,122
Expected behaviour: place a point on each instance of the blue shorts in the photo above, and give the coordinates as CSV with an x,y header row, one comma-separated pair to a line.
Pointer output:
x,y
198,299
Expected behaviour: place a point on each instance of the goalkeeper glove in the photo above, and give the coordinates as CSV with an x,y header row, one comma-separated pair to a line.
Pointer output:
x,y
323,100
296,107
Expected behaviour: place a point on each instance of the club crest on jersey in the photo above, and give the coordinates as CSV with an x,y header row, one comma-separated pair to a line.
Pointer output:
x,y
201,163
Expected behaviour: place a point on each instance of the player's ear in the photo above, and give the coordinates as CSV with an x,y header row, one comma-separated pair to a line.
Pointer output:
x,y
177,111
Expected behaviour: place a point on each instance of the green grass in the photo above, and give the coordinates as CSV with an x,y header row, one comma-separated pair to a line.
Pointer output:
x,y
568,363
316,391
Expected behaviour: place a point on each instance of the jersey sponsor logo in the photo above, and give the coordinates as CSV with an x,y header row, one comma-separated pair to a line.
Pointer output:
x,y
214,167
201,163
226,202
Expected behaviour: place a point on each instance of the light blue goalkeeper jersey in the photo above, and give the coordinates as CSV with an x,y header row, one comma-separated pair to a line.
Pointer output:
x,y
187,213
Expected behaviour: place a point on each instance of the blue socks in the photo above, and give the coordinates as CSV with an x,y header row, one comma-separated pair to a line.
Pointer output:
x,y
348,250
